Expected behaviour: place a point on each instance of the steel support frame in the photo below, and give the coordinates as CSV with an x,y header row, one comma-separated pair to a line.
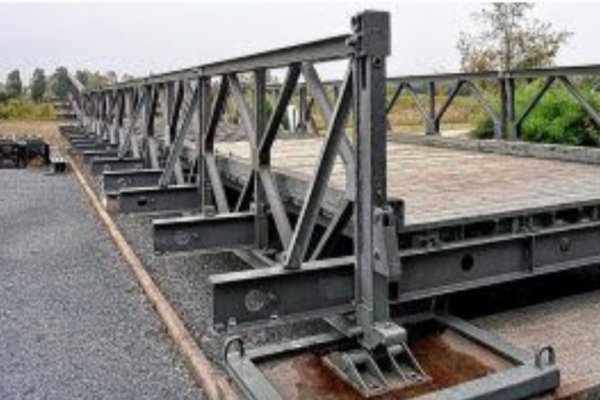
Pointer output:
x,y
361,282
364,89
105,116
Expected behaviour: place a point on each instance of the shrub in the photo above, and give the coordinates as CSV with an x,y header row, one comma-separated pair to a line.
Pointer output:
x,y
557,118
16,109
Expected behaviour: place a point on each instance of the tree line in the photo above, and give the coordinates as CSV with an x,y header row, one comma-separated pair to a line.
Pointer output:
x,y
42,87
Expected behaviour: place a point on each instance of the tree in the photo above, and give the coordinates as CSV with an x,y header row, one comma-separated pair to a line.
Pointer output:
x,y
82,77
509,39
60,82
95,80
14,86
38,84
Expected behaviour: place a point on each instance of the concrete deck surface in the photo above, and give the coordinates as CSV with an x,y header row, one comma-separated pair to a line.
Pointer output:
x,y
439,184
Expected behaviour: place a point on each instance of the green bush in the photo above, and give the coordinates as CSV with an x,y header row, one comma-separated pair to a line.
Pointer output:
x,y
16,109
557,118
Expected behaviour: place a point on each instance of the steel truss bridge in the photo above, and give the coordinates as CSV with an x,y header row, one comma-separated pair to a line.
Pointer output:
x,y
334,244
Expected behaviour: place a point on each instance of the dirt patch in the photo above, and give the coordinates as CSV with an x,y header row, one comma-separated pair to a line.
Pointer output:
x,y
45,130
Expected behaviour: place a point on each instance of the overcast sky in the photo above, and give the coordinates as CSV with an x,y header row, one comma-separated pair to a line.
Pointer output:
x,y
142,38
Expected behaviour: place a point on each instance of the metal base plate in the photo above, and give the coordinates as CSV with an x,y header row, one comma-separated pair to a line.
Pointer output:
x,y
263,373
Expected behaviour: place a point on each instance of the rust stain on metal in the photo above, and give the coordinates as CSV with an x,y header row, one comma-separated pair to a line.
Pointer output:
x,y
448,360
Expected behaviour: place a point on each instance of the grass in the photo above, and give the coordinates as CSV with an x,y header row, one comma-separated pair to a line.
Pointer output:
x,y
26,110
405,111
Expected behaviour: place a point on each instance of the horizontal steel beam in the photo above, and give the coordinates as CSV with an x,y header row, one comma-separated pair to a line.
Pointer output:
x,y
487,339
92,146
268,295
156,199
81,145
451,76
582,70
321,50
89,155
435,271
114,181
523,382
103,164
228,231
74,137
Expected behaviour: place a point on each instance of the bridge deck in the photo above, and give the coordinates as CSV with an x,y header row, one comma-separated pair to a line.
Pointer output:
x,y
440,184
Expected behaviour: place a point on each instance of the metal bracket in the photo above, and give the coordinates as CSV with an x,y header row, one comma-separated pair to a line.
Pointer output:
x,y
385,254
374,373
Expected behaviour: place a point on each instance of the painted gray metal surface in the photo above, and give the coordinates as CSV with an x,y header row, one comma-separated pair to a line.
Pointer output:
x,y
102,164
233,230
156,199
277,294
114,181
392,264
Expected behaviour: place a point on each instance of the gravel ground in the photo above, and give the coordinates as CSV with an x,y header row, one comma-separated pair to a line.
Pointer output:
x,y
73,322
183,279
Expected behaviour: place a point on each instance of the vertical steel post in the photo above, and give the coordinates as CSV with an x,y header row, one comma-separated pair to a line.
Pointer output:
x,y
101,115
372,46
114,109
433,126
106,110
302,106
168,105
95,115
133,142
260,200
150,130
203,116
120,117
504,122
513,127
129,106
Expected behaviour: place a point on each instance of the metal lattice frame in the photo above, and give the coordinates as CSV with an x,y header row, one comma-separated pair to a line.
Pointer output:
x,y
179,169
506,118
